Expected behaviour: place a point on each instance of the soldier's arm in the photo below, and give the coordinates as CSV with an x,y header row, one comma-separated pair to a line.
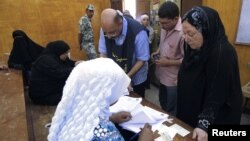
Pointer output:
x,y
81,30
80,39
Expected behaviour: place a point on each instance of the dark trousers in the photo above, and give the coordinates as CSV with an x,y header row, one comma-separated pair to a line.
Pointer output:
x,y
168,98
140,89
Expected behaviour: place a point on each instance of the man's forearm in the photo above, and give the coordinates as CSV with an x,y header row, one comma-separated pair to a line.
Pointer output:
x,y
135,68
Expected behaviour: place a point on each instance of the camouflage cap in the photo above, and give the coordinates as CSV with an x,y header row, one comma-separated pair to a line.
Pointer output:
x,y
90,7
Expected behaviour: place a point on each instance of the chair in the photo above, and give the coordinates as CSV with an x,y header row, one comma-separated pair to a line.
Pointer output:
x,y
246,94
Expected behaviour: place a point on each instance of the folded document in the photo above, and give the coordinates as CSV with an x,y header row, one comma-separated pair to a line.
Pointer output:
x,y
140,114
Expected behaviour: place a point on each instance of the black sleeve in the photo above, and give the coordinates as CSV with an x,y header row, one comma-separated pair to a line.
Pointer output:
x,y
52,67
217,85
70,62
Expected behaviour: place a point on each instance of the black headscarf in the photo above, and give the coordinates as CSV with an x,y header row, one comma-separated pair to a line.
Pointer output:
x,y
24,51
57,48
208,22
20,33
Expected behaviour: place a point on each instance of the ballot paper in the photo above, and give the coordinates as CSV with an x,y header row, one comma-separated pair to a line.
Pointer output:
x,y
125,103
140,114
180,130
166,133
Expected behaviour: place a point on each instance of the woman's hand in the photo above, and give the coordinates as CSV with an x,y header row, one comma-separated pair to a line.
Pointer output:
x,y
120,117
200,135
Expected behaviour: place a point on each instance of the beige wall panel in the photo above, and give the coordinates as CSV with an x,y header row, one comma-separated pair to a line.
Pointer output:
x,y
47,20
142,6
229,11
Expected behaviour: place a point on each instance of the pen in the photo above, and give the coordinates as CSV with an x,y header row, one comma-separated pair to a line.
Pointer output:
x,y
135,135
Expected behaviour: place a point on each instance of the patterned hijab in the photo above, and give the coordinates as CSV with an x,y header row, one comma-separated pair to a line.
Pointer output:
x,y
208,22
89,91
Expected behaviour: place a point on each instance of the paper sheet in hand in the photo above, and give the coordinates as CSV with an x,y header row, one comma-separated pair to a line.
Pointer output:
x,y
125,103
141,117
137,127
140,114
143,114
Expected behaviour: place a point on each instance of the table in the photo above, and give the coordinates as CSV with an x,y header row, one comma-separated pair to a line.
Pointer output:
x,y
12,107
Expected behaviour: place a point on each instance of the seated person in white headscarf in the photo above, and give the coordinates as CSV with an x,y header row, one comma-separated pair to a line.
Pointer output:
x,y
83,113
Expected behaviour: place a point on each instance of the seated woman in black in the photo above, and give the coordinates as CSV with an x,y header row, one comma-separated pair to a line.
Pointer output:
x,y
49,73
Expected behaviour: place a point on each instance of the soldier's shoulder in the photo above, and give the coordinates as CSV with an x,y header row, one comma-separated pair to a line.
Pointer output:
x,y
84,17
85,20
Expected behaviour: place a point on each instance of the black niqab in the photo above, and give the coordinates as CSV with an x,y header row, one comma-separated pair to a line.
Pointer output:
x,y
24,51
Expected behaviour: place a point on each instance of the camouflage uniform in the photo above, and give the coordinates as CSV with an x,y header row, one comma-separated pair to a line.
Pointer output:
x,y
87,37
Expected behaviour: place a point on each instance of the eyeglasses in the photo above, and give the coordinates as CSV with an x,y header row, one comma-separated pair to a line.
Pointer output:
x,y
189,34
111,34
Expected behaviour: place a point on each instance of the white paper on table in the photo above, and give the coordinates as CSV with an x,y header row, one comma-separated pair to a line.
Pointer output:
x,y
155,114
125,103
158,124
137,127
136,110
144,115
140,114
162,138
180,130
170,132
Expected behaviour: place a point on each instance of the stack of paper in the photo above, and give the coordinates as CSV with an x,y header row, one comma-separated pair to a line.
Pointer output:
x,y
180,130
140,114
125,103
166,133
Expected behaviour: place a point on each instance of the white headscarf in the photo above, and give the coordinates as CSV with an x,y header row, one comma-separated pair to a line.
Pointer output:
x,y
144,16
89,91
